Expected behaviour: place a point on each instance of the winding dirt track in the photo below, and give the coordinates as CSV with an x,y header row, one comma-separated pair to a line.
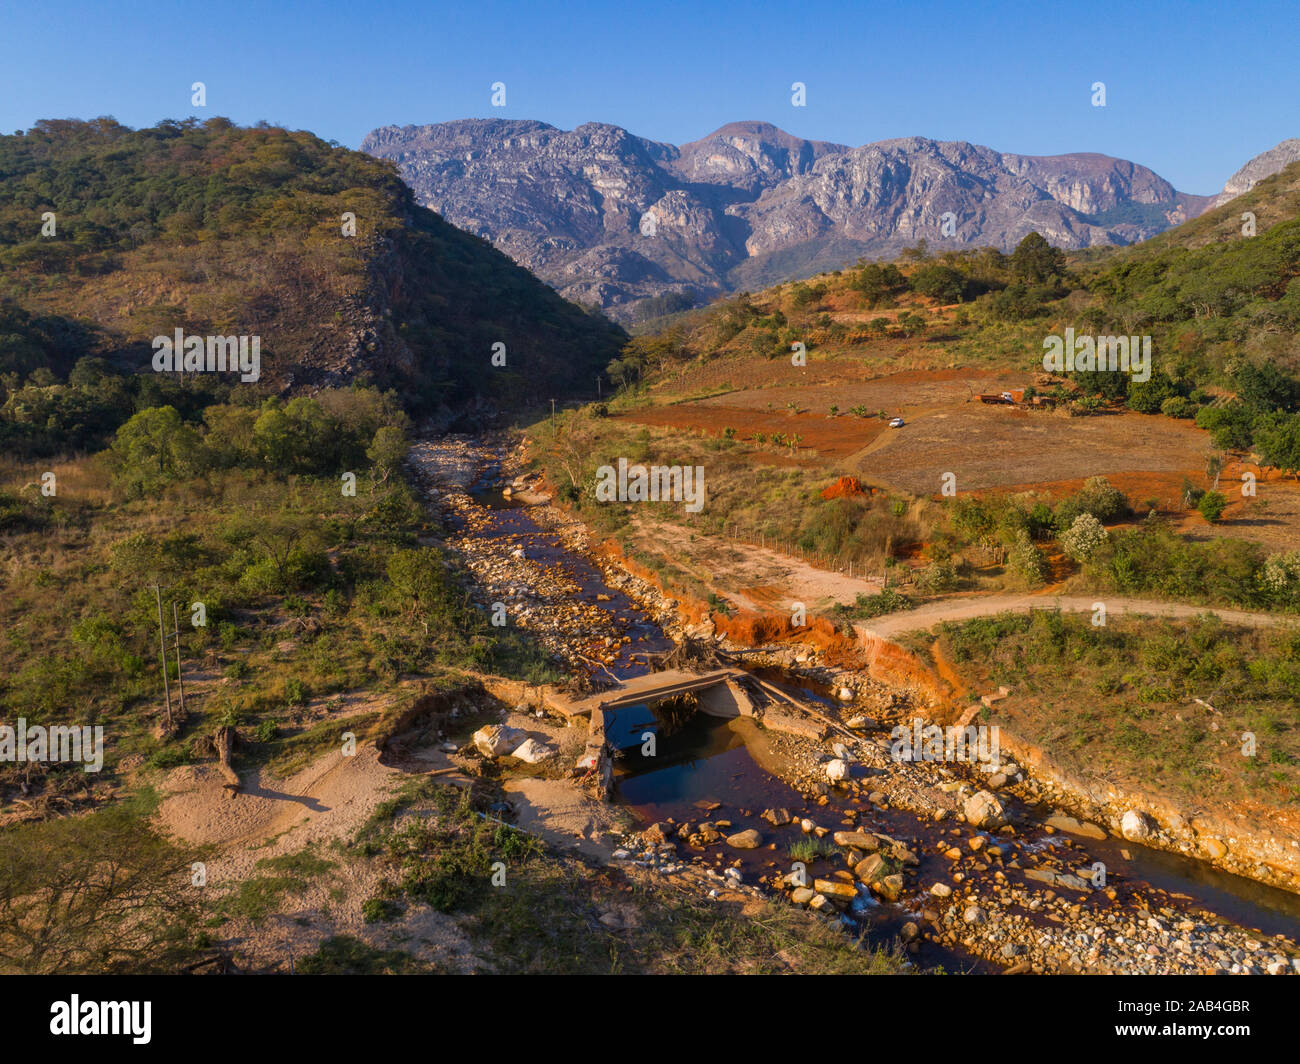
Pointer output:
x,y
965,609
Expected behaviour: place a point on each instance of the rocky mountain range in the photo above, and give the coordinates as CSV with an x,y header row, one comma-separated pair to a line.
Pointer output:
x,y
1263,165
610,218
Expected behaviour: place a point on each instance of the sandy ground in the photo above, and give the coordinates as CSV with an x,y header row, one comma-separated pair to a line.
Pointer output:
x,y
752,577
327,801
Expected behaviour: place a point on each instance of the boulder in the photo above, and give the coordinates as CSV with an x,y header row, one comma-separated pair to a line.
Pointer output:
x,y
802,895
890,888
749,839
983,810
858,840
533,752
1136,826
872,868
494,740
778,818
657,833
836,769
1071,826
834,888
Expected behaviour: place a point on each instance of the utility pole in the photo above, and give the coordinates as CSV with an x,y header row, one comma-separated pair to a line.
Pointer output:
x,y
180,680
598,388
552,417
162,651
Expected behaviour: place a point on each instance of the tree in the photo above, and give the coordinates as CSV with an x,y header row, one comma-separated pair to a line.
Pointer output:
x,y
941,283
1231,426
1279,445
386,451
152,449
1026,560
99,893
419,582
1035,261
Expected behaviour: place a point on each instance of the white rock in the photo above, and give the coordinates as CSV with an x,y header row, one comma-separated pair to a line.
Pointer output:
x,y
532,751
1135,825
496,739
837,769
983,810
941,890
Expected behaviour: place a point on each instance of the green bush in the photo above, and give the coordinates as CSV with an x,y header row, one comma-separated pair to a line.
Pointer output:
x,y
1211,505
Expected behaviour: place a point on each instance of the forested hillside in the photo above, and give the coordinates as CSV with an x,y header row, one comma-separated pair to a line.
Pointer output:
x,y
111,236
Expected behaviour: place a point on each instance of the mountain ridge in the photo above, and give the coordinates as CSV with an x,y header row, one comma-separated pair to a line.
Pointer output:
x,y
735,207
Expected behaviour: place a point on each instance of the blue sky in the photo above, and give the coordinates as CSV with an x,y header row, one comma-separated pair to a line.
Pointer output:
x,y
1193,89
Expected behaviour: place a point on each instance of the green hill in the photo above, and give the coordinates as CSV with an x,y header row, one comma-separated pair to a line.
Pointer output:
x,y
220,230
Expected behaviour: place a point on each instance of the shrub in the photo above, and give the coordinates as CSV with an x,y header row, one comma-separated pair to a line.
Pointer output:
x,y
937,577
1211,505
1026,561
1083,538
377,910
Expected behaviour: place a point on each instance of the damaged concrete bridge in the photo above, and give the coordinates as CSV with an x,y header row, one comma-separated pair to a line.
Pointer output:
x,y
719,692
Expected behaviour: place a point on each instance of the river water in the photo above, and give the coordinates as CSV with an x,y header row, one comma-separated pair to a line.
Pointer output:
x,y
707,769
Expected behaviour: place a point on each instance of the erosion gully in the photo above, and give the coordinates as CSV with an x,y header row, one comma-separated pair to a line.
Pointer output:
x,y
706,769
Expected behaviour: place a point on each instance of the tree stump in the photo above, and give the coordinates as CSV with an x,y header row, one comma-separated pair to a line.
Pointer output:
x,y
223,741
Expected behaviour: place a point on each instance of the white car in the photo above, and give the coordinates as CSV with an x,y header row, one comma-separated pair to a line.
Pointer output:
x,y
896,423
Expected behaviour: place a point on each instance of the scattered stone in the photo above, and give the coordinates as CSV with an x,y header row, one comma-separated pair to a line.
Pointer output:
x,y
1068,824
858,840
778,818
983,810
941,890
834,888
749,839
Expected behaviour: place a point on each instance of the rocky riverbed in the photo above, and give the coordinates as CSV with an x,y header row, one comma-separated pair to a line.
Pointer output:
x,y
970,863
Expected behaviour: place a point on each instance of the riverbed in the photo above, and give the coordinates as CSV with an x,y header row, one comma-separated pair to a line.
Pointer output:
x,y
973,899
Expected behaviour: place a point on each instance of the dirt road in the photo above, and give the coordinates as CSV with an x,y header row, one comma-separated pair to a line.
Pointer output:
x,y
964,609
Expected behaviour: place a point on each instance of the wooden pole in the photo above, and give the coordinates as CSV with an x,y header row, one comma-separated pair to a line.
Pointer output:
x,y
162,650
180,680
